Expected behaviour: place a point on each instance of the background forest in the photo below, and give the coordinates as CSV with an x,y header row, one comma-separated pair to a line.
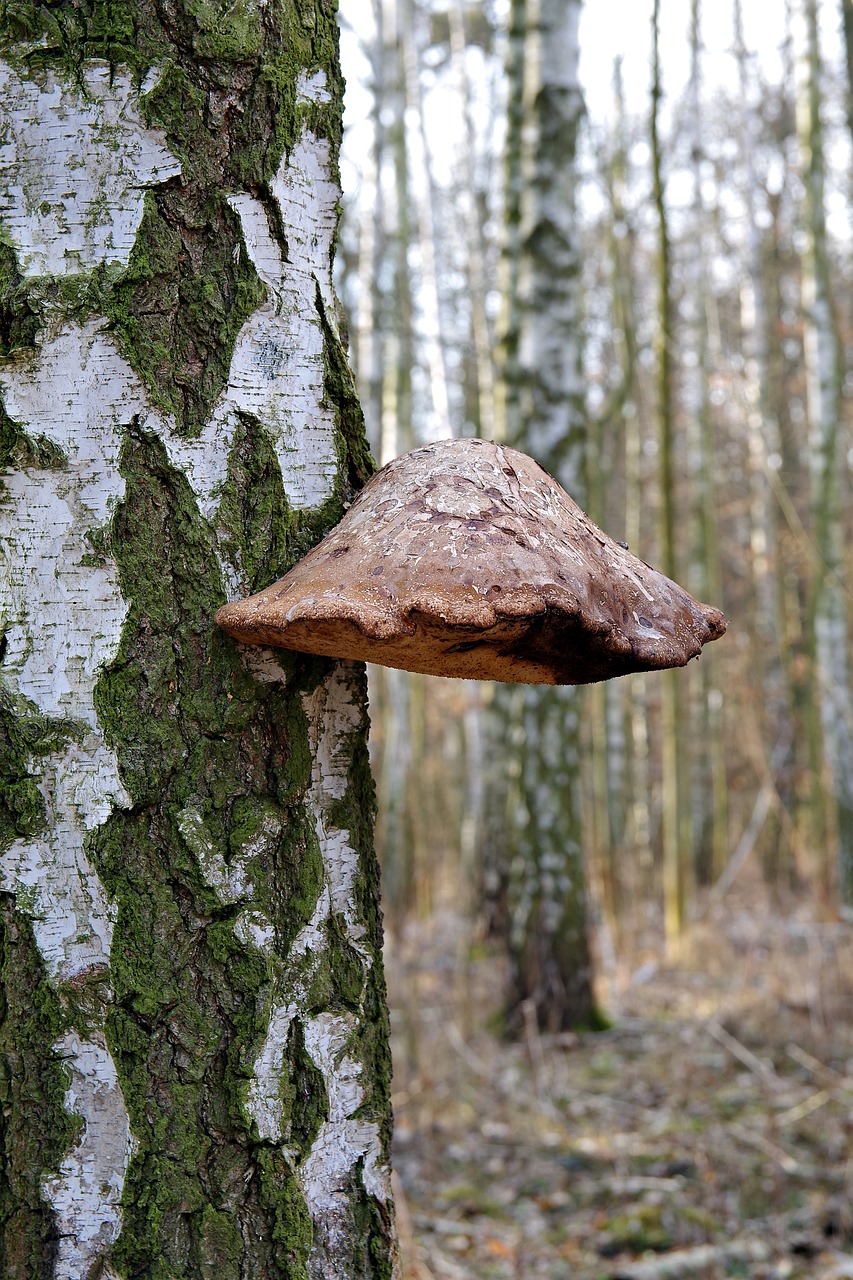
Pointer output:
x,y
730,439
638,271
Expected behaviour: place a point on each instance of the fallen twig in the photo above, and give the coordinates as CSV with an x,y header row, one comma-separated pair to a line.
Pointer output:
x,y
803,1109
818,1068
786,1162
682,1261
764,1070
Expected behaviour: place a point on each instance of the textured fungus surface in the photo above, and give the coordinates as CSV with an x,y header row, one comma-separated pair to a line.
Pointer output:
x,y
465,558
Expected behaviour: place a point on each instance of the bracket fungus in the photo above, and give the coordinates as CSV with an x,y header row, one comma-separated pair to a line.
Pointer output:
x,y
465,558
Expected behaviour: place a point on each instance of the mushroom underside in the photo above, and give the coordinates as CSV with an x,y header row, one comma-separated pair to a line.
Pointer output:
x,y
550,647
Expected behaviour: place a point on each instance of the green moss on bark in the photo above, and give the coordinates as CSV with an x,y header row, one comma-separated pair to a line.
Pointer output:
x,y
371,1227
186,294
303,1093
25,735
35,1129
190,728
261,535
19,320
357,463
19,448
355,812
189,997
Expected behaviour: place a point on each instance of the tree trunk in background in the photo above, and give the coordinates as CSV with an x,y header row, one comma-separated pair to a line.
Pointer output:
x,y
471,202
675,812
193,1047
423,192
508,421
500,801
634,693
847,23
373,246
608,728
709,790
398,314
390,691
538,729
823,384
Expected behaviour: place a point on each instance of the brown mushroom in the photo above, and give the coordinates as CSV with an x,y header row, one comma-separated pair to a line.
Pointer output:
x,y
465,558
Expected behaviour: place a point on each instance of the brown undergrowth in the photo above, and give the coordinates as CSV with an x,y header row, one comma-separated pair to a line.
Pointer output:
x,y
708,1134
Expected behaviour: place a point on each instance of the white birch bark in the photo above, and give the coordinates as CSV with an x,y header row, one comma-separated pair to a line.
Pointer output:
x,y
76,162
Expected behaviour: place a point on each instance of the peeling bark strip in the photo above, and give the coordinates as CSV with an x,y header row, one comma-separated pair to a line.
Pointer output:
x,y
185,833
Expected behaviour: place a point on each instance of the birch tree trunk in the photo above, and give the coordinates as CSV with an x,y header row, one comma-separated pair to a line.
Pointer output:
x,y
538,728
193,1036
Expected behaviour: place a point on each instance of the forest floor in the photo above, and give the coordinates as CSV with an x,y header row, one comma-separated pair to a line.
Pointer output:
x,y
707,1134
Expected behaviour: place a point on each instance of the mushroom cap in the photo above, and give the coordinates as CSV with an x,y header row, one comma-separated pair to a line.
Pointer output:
x,y
465,558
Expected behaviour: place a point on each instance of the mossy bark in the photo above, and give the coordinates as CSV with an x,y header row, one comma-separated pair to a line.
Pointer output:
x,y
194,1056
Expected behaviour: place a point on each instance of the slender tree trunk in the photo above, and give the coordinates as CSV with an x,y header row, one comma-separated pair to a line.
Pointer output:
x,y
675,813
398,318
481,338
609,702
373,244
390,691
539,729
804,812
424,194
772,659
710,799
629,700
847,24
193,1037
501,804
824,377
508,420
